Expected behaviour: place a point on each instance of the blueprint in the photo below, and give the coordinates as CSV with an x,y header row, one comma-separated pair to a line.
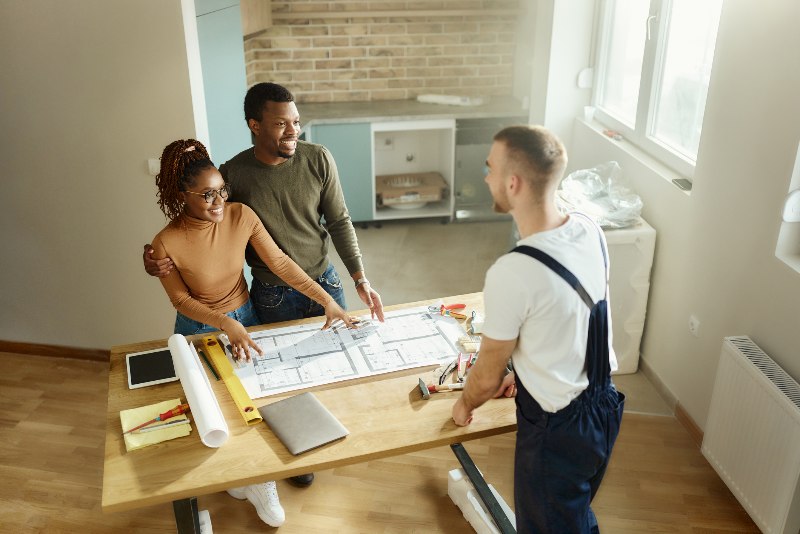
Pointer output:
x,y
297,357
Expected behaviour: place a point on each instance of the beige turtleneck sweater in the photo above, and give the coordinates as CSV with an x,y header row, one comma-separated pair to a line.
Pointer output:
x,y
208,280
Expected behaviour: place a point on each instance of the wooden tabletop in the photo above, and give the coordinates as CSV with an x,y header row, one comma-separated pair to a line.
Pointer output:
x,y
385,415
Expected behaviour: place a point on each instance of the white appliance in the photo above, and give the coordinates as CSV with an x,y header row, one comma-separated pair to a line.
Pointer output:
x,y
631,251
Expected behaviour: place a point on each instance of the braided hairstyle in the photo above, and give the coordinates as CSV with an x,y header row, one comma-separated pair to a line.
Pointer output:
x,y
181,162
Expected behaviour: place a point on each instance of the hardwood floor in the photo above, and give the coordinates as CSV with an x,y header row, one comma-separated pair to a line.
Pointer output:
x,y
51,462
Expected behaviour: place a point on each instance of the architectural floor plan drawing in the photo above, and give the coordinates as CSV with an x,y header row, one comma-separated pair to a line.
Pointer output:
x,y
301,356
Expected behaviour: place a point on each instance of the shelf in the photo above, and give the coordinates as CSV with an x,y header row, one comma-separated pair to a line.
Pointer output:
x,y
437,209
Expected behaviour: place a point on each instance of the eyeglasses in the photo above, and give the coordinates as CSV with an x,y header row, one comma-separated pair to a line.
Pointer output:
x,y
211,194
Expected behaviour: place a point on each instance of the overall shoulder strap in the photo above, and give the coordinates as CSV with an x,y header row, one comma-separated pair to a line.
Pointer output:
x,y
557,268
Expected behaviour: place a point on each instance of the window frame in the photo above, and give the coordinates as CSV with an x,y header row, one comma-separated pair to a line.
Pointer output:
x,y
653,60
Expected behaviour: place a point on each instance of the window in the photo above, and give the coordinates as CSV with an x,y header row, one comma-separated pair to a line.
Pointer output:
x,y
653,68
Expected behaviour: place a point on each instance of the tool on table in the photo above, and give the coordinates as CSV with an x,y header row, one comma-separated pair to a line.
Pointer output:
x,y
449,310
208,363
475,323
426,390
457,386
178,410
463,365
449,369
470,343
168,424
241,399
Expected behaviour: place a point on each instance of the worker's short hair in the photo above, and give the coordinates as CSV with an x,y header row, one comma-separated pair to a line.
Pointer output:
x,y
534,154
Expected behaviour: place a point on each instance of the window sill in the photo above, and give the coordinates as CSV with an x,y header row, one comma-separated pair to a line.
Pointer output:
x,y
655,166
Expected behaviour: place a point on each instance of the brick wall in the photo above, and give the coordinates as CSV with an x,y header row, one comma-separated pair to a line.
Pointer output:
x,y
352,50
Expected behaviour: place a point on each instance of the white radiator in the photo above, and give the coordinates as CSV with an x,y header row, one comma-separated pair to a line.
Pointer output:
x,y
752,437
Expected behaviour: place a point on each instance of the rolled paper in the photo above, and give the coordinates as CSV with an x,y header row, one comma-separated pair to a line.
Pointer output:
x,y
208,418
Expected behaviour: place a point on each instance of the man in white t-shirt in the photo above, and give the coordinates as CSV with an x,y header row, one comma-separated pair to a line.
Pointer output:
x,y
546,310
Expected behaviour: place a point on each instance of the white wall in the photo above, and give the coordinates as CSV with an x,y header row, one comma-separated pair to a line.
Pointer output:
x,y
715,250
90,90
562,35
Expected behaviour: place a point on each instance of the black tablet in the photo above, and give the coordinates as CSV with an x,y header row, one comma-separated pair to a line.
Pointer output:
x,y
150,367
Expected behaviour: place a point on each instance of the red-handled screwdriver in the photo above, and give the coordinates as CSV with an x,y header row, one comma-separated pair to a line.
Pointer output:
x,y
178,410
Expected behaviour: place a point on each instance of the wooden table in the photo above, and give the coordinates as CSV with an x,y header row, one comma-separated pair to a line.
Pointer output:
x,y
385,414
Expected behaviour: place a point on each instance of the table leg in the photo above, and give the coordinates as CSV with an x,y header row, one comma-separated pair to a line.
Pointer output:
x,y
186,517
485,494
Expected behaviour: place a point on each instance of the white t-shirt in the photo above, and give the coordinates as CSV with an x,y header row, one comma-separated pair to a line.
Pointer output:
x,y
524,299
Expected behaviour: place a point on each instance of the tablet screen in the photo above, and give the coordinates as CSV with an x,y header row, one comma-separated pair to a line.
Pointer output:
x,y
150,367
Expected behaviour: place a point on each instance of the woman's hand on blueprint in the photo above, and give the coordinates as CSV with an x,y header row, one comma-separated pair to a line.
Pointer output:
x,y
333,313
240,340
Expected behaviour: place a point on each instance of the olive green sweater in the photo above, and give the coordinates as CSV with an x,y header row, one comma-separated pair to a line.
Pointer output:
x,y
291,199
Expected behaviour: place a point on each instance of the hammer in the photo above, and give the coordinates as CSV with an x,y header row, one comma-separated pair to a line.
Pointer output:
x,y
427,390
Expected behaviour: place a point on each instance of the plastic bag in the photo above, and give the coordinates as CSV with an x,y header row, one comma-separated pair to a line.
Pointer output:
x,y
599,193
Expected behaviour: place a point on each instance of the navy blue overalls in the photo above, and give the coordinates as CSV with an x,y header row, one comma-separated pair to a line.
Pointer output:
x,y
561,457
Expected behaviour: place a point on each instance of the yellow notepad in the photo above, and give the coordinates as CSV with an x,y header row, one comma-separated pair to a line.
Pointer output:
x,y
137,416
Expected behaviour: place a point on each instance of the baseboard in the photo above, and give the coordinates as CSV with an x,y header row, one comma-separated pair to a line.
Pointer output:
x,y
681,414
660,387
688,423
58,351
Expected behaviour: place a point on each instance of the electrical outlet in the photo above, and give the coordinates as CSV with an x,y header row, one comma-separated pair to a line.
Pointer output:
x,y
694,326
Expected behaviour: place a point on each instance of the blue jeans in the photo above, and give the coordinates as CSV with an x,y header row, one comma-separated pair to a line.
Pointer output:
x,y
274,304
245,314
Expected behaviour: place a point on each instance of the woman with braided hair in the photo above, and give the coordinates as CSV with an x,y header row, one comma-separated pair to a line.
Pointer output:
x,y
206,239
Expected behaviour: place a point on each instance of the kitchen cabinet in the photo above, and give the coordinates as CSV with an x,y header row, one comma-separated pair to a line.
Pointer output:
x,y
474,137
403,153
350,145
256,16
219,33
366,150
406,137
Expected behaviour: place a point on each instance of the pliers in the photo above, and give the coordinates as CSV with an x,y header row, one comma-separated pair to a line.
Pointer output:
x,y
448,310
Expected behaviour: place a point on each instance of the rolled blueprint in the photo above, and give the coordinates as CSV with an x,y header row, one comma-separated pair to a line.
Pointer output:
x,y
207,414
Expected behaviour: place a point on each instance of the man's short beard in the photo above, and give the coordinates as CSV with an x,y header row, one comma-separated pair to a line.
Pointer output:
x,y
285,155
498,208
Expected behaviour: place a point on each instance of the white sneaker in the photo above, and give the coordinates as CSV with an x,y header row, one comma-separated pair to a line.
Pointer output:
x,y
264,498
238,493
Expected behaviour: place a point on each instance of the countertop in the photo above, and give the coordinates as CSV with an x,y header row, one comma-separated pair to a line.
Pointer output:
x,y
312,113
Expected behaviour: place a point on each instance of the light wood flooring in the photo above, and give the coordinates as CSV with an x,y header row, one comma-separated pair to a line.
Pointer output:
x,y
51,462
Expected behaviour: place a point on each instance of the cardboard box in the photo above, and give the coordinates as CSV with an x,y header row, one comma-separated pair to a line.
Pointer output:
x,y
409,190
